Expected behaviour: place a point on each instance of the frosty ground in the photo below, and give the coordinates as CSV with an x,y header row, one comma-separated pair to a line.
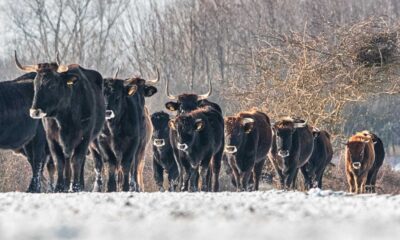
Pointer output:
x,y
163,216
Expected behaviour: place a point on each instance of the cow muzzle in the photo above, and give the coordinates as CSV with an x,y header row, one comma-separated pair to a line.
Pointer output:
x,y
230,149
356,165
37,113
159,142
283,153
110,114
182,147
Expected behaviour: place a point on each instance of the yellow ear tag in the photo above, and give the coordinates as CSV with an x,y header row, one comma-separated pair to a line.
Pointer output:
x,y
171,124
70,83
132,90
199,125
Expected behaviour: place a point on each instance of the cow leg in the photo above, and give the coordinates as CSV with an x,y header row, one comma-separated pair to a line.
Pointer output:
x,y
244,179
203,176
237,176
319,179
216,168
140,173
158,173
98,168
290,175
257,173
368,187
307,177
35,150
51,169
361,183
173,176
185,175
373,180
351,182
112,182
58,155
77,164
193,179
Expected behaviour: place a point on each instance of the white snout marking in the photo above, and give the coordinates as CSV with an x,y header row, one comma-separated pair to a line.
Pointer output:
x,y
159,142
182,147
230,149
356,165
110,114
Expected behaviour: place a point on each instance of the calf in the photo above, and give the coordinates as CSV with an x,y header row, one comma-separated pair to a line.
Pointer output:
x,y
125,135
198,140
163,157
185,103
313,170
292,146
359,160
248,139
70,101
379,157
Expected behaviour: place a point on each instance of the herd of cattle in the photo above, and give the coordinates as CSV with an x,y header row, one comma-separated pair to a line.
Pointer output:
x,y
56,115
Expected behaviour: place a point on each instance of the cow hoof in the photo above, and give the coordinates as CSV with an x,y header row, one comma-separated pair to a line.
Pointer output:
x,y
59,188
97,187
161,189
75,187
34,186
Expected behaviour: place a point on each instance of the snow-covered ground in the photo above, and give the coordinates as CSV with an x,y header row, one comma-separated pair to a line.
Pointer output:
x,y
205,216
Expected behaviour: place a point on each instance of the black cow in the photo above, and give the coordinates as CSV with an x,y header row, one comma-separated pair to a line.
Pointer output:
x,y
70,101
292,146
163,156
198,139
189,102
314,169
19,132
248,138
127,131
379,157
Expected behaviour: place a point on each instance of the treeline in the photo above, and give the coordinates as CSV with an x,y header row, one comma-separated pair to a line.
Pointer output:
x,y
283,56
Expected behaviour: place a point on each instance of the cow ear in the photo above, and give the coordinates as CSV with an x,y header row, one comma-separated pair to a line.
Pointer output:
x,y
172,106
149,91
132,89
199,125
316,134
71,80
171,124
248,127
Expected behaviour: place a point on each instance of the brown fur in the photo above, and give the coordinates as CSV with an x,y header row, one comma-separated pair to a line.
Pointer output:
x,y
357,178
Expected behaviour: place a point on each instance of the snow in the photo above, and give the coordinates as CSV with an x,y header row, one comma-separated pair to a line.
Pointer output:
x,y
228,215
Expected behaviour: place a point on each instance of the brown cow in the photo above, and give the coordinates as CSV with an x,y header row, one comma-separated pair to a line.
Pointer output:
x,y
248,138
379,157
359,159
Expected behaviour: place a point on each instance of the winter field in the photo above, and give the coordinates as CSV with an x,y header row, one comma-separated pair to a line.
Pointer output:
x,y
256,215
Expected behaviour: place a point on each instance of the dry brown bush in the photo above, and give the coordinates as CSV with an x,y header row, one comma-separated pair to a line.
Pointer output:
x,y
314,76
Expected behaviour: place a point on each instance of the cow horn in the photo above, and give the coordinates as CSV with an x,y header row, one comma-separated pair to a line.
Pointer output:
x,y
205,96
28,68
58,58
154,81
247,120
300,125
116,73
61,68
170,96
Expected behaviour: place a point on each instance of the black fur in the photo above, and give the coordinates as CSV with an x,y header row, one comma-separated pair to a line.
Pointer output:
x,y
74,106
163,157
19,132
123,140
